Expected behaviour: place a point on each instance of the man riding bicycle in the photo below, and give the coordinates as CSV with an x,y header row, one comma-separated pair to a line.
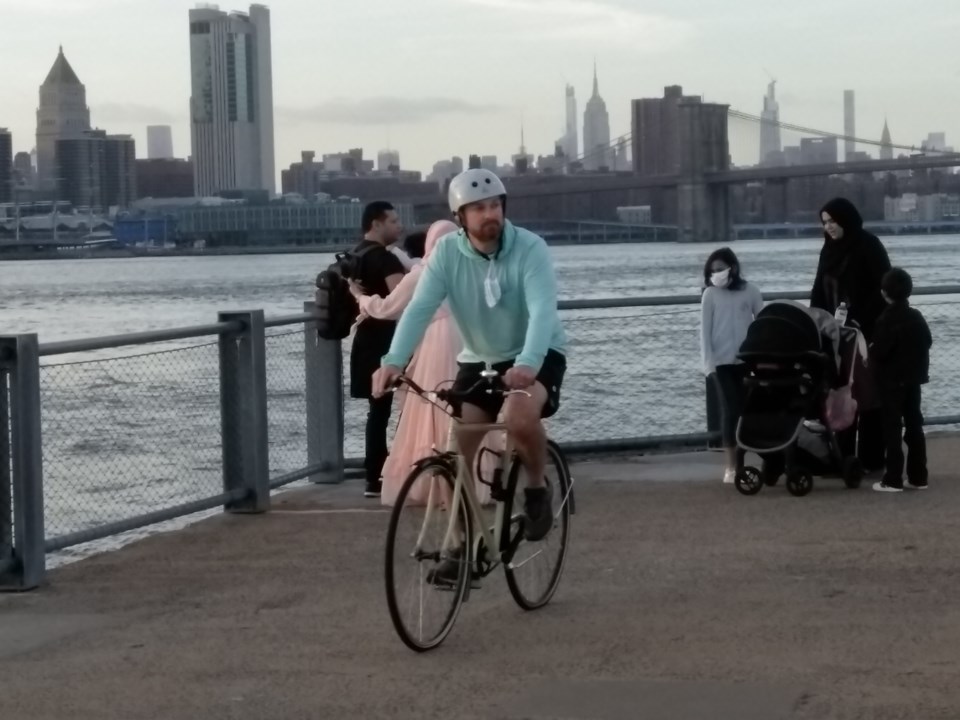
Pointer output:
x,y
499,283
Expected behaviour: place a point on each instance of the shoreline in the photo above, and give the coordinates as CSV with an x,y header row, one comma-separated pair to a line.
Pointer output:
x,y
129,253
100,253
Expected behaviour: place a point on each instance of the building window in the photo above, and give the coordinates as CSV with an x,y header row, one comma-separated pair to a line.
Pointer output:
x,y
249,56
232,80
200,28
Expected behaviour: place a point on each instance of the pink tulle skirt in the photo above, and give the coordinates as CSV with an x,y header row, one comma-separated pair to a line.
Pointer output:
x,y
423,427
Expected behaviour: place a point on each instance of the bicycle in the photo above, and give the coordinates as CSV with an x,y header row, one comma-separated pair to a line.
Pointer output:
x,y
451,498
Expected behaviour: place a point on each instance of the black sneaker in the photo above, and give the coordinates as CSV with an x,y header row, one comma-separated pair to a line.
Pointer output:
x,y
916,486
373,489
538,512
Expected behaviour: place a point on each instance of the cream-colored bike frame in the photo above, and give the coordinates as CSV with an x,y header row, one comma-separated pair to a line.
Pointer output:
x,y
464,490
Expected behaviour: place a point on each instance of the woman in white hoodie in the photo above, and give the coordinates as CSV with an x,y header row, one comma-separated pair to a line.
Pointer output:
x,y
728,306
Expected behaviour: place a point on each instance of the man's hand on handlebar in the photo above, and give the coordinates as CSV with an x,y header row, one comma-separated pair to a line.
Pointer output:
x,y
384,379
519,377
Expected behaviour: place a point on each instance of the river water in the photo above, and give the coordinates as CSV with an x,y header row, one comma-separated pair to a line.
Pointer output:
x,y
122,436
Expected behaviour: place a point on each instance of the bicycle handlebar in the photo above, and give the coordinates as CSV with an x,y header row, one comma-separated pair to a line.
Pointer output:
x,y
451,394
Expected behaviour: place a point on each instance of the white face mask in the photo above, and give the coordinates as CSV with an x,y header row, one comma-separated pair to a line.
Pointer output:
x,y
720,279
491,286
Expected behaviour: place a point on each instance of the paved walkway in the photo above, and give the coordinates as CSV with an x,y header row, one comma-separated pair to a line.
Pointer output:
x,y
681,600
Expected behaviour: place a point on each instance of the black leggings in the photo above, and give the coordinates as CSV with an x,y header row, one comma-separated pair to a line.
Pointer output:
x,y
728,381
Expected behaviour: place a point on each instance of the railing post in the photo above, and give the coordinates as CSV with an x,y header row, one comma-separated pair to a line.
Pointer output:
x,y
243,412
22,552
324,378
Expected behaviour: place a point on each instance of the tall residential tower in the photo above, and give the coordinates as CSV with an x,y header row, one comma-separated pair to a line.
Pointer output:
x,y
849,124
231,106
770,146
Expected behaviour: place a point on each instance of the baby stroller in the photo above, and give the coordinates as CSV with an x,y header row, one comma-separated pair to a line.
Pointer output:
x,y
794,358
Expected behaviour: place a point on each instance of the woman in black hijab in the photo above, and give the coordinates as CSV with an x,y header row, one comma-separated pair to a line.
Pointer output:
x,y
852,264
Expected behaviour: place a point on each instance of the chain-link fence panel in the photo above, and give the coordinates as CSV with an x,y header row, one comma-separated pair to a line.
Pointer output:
x,y
286,400
131,435
631,372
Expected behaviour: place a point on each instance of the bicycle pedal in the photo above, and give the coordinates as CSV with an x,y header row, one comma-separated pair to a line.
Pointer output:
x,y
444,586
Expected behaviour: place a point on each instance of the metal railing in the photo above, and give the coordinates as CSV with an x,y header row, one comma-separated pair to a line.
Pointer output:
x,y
96,443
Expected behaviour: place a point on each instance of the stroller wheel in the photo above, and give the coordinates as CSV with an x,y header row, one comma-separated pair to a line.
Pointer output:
x,y
799,483
852,472
749,481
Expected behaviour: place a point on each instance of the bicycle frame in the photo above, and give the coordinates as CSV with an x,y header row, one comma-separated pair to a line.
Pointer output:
x,y
464,490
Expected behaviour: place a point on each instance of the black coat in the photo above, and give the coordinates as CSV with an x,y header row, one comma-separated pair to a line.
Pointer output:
x,y
900,351
850,269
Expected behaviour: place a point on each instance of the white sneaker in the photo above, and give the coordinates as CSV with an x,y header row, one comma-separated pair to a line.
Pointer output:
x,y
883,487
729,477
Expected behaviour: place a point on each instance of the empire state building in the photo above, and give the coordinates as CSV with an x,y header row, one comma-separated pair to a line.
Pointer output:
x,y
596,131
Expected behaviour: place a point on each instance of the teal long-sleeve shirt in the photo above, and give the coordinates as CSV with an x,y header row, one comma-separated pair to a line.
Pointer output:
x,y
522,326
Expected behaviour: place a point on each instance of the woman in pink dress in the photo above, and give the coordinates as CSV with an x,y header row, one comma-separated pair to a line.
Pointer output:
x,y
422,426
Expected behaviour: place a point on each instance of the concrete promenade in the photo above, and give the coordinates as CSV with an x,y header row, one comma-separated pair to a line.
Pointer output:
x,y
682,600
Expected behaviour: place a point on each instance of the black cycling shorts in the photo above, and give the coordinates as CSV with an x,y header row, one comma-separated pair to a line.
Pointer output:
x,y
550,376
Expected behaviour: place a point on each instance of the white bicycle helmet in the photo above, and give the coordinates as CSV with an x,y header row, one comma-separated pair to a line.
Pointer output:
x,y
473,185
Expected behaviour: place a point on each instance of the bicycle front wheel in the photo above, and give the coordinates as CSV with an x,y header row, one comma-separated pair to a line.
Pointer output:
x,y
533,573
427,561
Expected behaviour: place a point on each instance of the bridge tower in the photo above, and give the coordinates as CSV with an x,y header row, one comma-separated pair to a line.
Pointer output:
x,y
703,208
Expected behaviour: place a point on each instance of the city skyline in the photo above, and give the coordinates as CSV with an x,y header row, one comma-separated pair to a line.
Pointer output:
x,y
439,109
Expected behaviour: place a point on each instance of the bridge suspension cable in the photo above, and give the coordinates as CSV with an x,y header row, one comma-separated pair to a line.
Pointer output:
x,y
740,115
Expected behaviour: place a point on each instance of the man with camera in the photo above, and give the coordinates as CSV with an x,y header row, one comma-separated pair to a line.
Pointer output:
x,y
378,271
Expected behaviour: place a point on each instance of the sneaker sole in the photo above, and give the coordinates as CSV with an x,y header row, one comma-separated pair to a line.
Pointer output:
x,y
447,585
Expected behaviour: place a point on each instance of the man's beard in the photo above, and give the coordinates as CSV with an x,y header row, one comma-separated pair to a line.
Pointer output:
x,y
490,231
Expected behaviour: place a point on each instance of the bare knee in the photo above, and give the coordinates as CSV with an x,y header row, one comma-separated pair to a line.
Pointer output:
x,y
522,416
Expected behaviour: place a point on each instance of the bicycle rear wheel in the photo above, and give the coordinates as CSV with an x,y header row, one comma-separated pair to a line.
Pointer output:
x,y
534,571
425,581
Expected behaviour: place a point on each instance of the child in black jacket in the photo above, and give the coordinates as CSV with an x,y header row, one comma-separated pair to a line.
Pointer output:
x,y
900,354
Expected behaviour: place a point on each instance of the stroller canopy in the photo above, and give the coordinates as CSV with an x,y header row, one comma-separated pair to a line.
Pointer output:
x,y
782,329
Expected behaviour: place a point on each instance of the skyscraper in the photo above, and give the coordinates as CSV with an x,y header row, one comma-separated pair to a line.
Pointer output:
x,y
522,161
231,106
159,142
770,126
62,115
570,142
6,166
849,124
886,145
388,160
24,174
97,170
596,130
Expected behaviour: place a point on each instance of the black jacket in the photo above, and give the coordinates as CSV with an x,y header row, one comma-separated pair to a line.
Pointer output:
x,y
850,269
901,345
372,338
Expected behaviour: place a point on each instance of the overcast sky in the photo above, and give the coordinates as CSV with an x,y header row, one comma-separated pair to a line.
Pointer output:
x,y
436,78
